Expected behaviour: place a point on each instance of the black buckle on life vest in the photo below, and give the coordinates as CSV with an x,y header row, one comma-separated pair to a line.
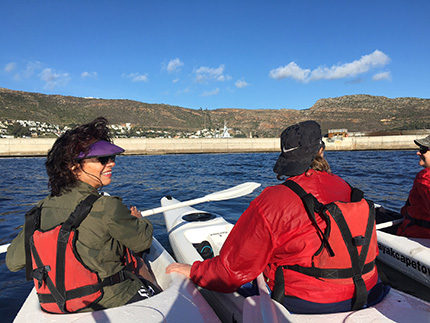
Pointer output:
x,y
117,278
41,273
358,241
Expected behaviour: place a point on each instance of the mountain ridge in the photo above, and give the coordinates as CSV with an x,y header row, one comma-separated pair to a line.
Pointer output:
x,y
357,113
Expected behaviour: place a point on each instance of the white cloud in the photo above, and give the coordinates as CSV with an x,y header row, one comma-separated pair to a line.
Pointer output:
x,y
382,76
186,90
175,81
223,78
53,79
174,65
205,73
10,67
241,83
360,66
89,75
136,77
291,70
49,76
141,78
209,93
32,68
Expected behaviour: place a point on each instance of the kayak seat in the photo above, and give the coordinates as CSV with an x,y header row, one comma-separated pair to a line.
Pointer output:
x,y
198,216
204,248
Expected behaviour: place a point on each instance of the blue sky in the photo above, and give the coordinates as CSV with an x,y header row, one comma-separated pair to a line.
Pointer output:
x,y
216,54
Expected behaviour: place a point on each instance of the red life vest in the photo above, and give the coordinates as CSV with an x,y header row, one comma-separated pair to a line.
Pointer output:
x,y
348,244
64,284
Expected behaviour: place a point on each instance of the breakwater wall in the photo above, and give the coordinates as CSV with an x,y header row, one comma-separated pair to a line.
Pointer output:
x,y
12,147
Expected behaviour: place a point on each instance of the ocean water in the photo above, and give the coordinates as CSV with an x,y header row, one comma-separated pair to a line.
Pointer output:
x,y
385,176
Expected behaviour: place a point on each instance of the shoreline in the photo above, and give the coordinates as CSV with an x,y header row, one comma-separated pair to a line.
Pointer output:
x,y
32,147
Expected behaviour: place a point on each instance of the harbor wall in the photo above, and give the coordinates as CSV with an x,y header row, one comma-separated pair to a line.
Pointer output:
x,y
12,147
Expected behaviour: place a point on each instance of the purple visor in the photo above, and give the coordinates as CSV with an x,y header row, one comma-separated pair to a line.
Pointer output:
x,y
101,148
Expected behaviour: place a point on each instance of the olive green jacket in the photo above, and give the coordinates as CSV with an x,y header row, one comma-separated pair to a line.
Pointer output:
x,y
101,238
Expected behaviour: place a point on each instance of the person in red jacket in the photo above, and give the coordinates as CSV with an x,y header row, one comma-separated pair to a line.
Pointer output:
x,y
275,231
416,211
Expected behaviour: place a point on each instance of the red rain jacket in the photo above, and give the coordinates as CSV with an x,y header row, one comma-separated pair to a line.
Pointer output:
x,y
417,207
275,230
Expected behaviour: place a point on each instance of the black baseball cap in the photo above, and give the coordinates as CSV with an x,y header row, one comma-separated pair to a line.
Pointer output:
x,y
300,144
423,142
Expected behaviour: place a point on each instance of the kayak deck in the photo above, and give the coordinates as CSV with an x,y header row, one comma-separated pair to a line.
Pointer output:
x,y
184,234
180,301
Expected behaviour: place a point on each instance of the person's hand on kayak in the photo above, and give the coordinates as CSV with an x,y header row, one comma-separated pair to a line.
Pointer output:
x,y
135,212
179,268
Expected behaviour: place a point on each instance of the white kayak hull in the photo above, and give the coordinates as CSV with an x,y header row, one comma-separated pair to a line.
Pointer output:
x,y
396,307
182,236
410,256
180,301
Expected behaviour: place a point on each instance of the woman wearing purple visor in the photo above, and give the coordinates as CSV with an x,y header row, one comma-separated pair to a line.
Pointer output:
x,y
108,234
96,164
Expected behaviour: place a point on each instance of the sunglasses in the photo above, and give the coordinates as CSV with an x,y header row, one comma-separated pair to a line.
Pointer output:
x,y
423,150
105,159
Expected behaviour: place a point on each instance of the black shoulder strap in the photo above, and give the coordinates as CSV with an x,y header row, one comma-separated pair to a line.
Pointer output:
x,y
80,213
32,223
312,205
296,188
356,194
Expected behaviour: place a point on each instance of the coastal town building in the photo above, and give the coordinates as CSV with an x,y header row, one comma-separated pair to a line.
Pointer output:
x,y
36,129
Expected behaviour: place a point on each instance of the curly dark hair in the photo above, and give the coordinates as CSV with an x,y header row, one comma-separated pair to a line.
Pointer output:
x,y
62,156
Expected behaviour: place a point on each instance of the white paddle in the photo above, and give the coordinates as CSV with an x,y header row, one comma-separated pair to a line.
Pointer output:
x,y
388,224
3,248
230,193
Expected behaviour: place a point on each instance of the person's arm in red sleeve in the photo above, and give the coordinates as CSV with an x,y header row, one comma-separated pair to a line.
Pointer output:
x,y
244,255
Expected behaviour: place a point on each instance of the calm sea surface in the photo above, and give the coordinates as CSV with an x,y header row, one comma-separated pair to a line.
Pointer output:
x,y
385,176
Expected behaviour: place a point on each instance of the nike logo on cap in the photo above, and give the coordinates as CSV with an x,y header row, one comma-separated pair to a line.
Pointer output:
x,y
288,150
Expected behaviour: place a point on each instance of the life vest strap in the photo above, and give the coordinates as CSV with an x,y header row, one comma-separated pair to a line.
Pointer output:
x,y
332,273
58,297
312,205
87,290
32,223
417,222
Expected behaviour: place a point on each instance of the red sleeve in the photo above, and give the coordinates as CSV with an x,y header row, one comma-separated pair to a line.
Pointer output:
x,y
243,257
